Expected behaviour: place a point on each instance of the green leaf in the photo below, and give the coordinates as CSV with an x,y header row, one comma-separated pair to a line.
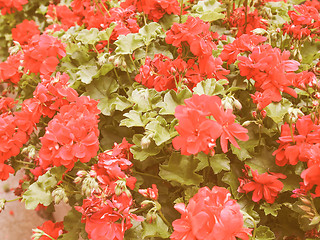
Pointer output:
x,y
142,154
144,99
209,10
264,233
160,130
127,44
101,88
246,148
218,162
270,208
88,36
86,73
291,182
133,119
105,89
209,87
263,162
155,229
115,102
150,32
181,169
172,99
40,191
73,226
106,33
276,111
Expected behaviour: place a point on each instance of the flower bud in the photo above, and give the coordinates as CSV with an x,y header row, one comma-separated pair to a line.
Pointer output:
x,y
263,113
77,180
89,185
37,234
93,174
237,104
2,204
82,173
58,195
145,142
151,216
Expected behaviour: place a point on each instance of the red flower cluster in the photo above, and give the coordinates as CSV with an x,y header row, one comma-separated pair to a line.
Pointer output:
x,y
244,43
6,104
210,214
10,6
71,135
63,14
162,73
24,31
297,141
53,93
199,133
15,130
155,9
113,165
54,230
264,186
195,34
9,69
40,55
272,72
305,21
107,213
243,24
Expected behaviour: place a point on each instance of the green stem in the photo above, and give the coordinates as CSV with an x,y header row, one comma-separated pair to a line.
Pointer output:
x,y
48,236
246,15
14,199
147,175
132,61
181,9
291,132
165,220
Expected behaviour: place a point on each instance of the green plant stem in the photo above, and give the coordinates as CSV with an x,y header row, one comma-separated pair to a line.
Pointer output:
x,y
164,219
13,200
147,174
181,9
246,15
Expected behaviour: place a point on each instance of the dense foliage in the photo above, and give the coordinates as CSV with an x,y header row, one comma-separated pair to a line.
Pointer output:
x,y
163,119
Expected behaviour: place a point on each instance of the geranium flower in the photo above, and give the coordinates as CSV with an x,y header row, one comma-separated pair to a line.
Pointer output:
x,y
210,214
264,186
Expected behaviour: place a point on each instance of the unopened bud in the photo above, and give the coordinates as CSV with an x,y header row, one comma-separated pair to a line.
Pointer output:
x,y
305,208
305,201
151,216
145,142
2,204
37,234
93,174
237,104
82,173
89,185
77,180
263,113
58,195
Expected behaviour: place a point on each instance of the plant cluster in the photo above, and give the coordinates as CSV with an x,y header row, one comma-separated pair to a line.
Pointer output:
x,y
163,119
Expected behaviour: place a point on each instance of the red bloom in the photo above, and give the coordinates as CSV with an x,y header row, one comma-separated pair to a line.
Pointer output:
x,y
9,70
210,214
25,31
151,193
54,230
238,20
10,6
263,186
71,135
5,170
41,54
155,9
198,133
243,43
271,70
